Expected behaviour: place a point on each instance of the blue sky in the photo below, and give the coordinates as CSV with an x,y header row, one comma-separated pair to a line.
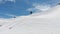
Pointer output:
x,y
19,7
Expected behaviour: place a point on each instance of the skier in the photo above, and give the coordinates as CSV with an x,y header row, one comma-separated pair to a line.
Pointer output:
x,y
30,12
58,3
0,25
14,17
10,28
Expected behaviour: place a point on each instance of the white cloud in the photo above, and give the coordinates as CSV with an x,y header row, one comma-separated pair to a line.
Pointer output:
x,y
39,7
42,7
1,2
4,1
11,15
11,0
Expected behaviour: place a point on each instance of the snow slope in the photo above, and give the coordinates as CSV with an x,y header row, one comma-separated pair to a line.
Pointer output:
x,y
46,23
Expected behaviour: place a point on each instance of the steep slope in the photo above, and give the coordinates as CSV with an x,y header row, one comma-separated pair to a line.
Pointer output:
x,y
48,23
53,12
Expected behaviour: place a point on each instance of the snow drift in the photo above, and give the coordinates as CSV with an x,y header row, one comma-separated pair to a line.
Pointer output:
x,y
38,23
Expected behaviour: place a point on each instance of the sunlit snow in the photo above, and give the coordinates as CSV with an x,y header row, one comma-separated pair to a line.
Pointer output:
x,y
37,23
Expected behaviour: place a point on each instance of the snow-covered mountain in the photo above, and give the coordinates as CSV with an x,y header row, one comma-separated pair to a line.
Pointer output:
x,y
38,23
